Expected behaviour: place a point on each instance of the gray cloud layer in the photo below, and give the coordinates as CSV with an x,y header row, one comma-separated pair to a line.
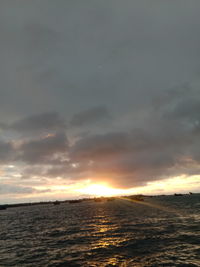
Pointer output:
x,y
93,52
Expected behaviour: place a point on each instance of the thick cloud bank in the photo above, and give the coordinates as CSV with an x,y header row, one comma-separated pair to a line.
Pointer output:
x,y
166,146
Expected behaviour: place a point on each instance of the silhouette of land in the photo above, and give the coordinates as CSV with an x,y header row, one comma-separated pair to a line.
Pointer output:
x,y
94,199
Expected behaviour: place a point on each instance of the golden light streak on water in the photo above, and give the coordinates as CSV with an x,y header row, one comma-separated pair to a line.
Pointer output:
x,y
153,205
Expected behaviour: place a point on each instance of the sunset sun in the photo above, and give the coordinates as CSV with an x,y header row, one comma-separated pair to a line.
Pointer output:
x,y
100,190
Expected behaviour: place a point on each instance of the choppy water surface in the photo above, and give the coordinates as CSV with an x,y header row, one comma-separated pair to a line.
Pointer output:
x,y
163,232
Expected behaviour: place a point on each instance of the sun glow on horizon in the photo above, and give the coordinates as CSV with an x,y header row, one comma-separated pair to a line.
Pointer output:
x,y
100,190
61,189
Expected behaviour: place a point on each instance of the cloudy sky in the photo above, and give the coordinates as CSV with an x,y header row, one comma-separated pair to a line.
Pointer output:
x,y
98,93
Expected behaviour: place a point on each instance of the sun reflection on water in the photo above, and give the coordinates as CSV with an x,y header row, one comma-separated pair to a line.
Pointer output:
x,y
105,230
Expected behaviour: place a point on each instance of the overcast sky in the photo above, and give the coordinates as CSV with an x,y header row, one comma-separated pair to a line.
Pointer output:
x,y
100,91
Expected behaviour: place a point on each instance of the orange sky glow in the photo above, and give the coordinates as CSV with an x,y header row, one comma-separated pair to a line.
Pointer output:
x,y
88,188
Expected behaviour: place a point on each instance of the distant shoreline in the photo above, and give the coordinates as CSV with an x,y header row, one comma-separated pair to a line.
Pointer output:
x,y
15,205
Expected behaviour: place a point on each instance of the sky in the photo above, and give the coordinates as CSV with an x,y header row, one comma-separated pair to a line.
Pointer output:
x,y
98,95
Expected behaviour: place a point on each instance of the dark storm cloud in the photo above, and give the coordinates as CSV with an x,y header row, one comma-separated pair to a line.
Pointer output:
x,y
184,106
98,146
45,122
90,116
6,151
44,150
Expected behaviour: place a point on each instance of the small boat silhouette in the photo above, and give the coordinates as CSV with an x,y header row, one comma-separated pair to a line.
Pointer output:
x,y
3,207
75,201
56,202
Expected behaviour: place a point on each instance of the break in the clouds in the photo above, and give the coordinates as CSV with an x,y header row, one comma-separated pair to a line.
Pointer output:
x,y
19,190
107,91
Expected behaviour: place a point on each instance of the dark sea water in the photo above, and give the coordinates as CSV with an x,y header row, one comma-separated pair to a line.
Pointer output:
x,y
162,231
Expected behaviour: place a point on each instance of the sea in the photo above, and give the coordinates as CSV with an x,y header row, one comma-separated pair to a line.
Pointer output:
x,y
159,231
